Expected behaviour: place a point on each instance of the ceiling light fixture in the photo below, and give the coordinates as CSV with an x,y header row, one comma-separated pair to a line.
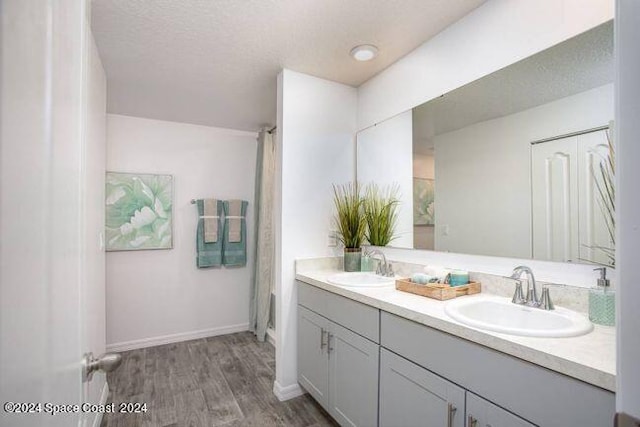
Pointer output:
x,y
364,52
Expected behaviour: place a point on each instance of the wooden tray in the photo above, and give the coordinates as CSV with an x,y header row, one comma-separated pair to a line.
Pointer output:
x,y
438,291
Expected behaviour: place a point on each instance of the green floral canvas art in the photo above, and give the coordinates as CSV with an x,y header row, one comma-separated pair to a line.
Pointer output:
x,y
423,201
138,211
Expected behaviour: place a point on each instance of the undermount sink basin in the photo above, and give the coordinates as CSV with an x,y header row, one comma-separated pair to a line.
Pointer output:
x,y
360,280
501,315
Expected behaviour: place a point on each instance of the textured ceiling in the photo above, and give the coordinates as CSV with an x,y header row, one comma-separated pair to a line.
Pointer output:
x,y
215,62
576,65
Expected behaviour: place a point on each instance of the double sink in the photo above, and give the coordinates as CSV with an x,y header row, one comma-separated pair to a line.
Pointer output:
x,y
491,313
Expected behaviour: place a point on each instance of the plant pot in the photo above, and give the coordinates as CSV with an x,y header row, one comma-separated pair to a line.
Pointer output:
x,y
352,259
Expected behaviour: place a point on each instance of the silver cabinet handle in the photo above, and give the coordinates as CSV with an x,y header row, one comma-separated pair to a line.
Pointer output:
x,y
451,411
472,422
329,336
323,344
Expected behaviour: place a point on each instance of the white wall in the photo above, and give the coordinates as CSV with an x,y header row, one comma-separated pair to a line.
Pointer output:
x,y
385,157
423,167
316,129
497,34
95,162
160,296
627,132
483,173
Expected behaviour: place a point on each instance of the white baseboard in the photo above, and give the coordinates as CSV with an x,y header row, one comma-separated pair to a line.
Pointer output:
x,y
288,392
271,336
183,336
97,420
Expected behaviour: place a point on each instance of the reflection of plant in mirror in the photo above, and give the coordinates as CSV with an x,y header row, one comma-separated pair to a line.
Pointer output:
x,y
604,179
381,213
349,221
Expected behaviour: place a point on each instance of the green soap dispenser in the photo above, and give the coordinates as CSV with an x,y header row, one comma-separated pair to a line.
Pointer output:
x,y
602,301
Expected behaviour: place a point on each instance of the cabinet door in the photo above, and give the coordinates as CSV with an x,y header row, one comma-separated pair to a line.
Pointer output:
x,y
313,360
412,396
481,413
353,378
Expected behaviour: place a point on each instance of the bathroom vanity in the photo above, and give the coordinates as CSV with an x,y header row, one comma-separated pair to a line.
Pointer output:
x,y
378,356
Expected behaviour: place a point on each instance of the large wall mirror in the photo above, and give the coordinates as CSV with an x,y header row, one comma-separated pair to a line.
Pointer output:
x,y
516,164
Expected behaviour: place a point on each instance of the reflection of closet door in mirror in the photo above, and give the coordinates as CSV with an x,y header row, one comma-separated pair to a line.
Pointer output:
x,y
571,221
596,222
554,180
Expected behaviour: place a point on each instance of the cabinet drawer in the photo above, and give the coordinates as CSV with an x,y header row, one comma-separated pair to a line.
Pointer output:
x,y
358,317
539,395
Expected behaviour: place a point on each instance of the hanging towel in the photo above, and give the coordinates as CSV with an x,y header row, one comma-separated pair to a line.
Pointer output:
x,y
209,254
211,220
233,211
235,233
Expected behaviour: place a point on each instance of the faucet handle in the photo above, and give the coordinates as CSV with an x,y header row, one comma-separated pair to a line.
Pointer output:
x,y
390,272
379,269
518,295
545,300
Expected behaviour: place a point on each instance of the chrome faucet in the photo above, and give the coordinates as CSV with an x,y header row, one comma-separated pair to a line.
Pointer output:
x,y
531,299
384,268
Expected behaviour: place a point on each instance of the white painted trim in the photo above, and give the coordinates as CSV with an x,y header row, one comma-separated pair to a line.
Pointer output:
x,y
288,392
97,420
271,336
182,336
220,131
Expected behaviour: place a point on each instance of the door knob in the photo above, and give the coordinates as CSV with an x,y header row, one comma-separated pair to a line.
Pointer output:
x,y
105,363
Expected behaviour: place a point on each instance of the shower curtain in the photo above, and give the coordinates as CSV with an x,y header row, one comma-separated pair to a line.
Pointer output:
x,y
262,279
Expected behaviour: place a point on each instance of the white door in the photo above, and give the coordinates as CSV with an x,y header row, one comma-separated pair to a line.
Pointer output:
x,y
44,226
595,238
568,219
554,181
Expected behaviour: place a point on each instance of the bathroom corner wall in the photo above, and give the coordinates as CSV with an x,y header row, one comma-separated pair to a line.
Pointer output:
x,y
316,132
159,296
497,34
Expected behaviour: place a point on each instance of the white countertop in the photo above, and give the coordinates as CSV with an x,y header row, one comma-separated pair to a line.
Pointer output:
x,y
590,358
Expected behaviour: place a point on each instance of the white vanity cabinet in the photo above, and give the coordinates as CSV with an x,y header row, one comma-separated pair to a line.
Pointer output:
x,y
348,351
481,413
412,396
533,393
337,365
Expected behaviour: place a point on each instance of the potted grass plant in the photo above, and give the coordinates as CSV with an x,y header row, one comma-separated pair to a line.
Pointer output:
x,y
350,223
380,208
